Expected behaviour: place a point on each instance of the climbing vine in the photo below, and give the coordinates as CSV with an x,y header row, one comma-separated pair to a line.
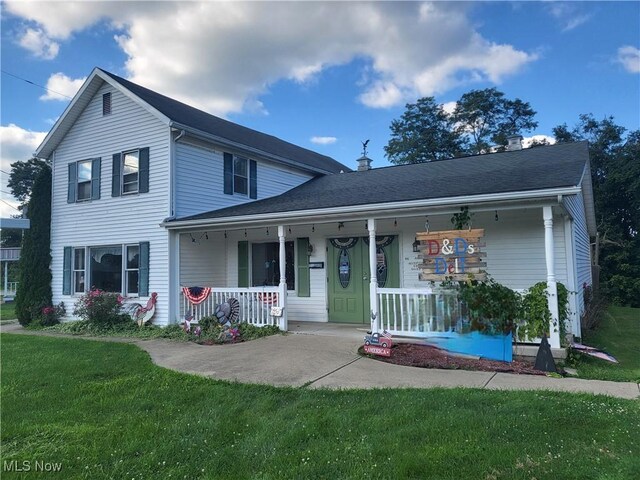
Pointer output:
x,y
462,219
535,315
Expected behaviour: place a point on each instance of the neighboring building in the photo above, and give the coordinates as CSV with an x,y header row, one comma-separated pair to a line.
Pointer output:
x,y
150,195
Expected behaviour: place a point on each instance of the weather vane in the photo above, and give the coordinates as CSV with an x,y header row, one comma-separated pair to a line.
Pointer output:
x,y
364,148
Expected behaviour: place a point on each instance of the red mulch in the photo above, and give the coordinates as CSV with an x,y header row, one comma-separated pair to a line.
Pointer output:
x,y
426,356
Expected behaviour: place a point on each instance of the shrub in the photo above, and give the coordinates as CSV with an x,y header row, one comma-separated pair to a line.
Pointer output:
x,y
48,315
493,308
34,287
101,308
251,332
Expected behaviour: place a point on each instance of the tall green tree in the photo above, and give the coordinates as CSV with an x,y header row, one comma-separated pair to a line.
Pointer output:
x,y
486,118
425,132
34,287
615,169
22,177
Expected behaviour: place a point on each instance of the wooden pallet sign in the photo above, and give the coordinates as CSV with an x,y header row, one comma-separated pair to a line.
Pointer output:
x,y
452,255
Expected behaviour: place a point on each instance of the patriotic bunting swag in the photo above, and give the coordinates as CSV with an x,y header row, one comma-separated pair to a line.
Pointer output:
x,y
196,295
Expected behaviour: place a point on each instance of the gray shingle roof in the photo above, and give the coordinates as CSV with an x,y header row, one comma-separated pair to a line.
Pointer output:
x,y
524,170
205,122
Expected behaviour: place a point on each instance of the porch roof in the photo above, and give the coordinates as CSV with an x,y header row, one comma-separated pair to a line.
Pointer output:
x,y
529,170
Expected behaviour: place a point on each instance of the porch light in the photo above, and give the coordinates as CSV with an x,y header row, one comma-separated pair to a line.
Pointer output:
x,y
496,215
416,246
310,250
340,225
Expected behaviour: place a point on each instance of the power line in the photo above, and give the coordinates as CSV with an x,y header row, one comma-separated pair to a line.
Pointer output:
x,y
3,201
36,84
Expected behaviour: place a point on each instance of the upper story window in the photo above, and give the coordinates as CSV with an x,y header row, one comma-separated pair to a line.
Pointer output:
x,y
130,172
240,176
106,103
84,180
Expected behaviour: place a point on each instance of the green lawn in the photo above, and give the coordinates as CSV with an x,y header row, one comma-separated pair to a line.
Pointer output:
x,y
7,312
105,411
618,334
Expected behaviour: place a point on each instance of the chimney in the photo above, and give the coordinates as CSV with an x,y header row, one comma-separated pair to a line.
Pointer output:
x,y
515,143
364,163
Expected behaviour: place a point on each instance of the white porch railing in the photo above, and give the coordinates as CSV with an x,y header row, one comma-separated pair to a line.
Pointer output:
x,y
255,305
10,290
414,312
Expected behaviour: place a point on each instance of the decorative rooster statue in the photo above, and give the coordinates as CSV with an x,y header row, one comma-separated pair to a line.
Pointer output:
x,y
140,314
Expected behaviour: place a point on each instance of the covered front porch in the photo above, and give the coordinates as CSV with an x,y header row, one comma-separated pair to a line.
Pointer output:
x,y
324,268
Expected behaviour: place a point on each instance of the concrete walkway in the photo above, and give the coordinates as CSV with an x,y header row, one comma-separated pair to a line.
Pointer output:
x,y
329,359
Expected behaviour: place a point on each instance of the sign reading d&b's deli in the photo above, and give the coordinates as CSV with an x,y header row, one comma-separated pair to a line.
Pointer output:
x,y
451,254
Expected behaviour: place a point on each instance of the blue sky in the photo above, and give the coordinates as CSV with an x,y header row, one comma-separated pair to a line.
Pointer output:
x,y
325,76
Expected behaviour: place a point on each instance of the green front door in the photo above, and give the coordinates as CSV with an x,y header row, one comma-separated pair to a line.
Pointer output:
x,y
348,276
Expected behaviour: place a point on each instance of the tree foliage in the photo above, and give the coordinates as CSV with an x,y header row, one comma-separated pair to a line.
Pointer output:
x,y
23,176
615,169
481,121
34,288
425,132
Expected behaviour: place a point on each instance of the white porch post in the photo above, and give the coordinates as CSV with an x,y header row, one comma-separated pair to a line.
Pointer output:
x,y
373,282
552,288
6,277
174,278
283,279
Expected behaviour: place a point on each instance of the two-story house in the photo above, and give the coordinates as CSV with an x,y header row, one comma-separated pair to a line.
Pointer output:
x,y
152,195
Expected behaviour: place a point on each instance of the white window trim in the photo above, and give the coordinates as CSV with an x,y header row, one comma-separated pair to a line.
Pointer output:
x,y
74,270
233,176
125,270
122,159
87,266
90,181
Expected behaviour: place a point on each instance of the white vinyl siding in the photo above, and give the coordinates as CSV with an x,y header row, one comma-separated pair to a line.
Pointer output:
x,y
581,246
120,220
200,177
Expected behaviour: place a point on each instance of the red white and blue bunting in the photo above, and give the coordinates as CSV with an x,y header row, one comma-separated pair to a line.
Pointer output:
x,y
196,295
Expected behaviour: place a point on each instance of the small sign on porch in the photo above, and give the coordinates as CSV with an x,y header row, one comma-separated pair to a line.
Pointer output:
x,y
378,344
276,311
454,254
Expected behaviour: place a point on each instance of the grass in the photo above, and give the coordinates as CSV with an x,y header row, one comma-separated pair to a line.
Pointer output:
x,y
105,411
619,335
7,312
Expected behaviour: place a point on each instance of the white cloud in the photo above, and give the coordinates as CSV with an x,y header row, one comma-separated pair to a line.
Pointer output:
x,y
569,15
527,141
61,87
16,144
37,42
629,57
222,56
449,107
323,140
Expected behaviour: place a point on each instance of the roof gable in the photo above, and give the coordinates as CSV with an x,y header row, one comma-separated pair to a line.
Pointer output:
x,y
183,115
174,113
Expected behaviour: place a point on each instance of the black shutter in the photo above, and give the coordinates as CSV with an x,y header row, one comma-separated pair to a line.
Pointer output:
x,y
253,179
73,182
115,182
143,170
95,178
228,173
243,264
143,270
66,272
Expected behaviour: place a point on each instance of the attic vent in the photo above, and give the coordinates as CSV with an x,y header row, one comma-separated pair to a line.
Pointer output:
x,y
106,104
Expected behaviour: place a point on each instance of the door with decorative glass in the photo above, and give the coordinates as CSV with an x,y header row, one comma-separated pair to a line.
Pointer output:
x,y
348,275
